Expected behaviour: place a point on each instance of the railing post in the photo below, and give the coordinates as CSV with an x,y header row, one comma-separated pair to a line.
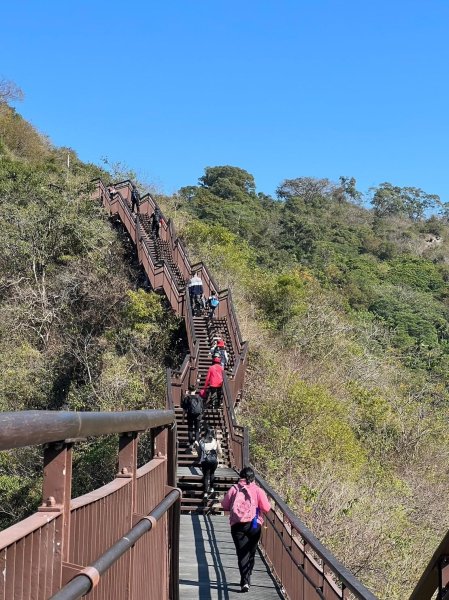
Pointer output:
x,y
174,529
56,494
172,458
443,577
127,467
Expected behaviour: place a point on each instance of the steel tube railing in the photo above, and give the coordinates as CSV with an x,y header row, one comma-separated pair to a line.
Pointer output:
x,y
81,584
340,571
29,428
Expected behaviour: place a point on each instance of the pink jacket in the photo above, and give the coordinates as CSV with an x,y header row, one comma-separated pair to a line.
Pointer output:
x,y
257,494
214,377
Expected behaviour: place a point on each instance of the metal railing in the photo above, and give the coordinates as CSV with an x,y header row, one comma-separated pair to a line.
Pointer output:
x,y
66,537
302,565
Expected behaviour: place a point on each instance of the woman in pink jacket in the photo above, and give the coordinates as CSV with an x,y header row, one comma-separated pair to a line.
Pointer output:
x,y
246,503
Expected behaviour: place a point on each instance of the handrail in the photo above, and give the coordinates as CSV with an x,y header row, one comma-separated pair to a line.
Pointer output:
x,y
337,568
170,404
90,576
29,428
432,578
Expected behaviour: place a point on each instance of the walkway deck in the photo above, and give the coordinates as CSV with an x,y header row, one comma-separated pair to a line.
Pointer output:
x,y
208,565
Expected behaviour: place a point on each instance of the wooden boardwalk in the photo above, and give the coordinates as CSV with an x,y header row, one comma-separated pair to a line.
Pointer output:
x,y
208,564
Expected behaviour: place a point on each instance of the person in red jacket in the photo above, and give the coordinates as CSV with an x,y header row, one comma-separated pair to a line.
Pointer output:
x,y
213,386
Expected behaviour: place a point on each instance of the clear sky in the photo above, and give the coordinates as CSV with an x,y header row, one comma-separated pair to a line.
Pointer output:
x,y
281,88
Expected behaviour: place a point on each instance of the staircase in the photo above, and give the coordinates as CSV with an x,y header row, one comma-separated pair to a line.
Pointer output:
x,y
190,475
161,252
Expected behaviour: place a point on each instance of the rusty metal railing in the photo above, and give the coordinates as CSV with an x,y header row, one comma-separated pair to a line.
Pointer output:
x,y
436,575
302,565
90,577
50,548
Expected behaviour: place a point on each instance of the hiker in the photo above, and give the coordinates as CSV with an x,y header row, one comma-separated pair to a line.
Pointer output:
x,y
112,191
213,386
213,303
155,223
246,503
218,350
209,450
195,286
135,199
192,404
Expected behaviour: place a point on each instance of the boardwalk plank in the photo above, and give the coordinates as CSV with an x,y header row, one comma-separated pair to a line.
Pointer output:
x,y
208,564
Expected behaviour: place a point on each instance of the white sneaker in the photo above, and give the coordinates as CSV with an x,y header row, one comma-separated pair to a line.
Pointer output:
x,y
211,491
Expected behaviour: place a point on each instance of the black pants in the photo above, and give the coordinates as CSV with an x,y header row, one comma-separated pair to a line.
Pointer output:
x,y
193,427
155,228
245,541
208,469
134,203
215,394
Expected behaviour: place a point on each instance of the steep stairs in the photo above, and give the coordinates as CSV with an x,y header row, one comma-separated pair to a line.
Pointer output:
x,y
190,476
161,252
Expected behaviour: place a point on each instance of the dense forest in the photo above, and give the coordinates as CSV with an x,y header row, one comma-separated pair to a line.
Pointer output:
x,y
344,301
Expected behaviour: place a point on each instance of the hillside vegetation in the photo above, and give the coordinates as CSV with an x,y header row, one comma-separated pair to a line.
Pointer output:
x,y
78,331
346,311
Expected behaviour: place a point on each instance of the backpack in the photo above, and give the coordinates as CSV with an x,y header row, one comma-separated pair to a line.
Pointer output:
x,y
214,302
220,353
242,510
216,352
195,407
208,456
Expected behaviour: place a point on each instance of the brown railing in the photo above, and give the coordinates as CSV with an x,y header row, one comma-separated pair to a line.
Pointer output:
x,y
435,576
301,564
68,539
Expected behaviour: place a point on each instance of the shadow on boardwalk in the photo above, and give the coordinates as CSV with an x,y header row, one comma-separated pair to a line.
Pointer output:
x,y
208,564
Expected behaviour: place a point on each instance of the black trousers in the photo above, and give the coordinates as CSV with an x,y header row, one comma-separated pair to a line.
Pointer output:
x,y
208,475
245,541
215,394
155,229
193,428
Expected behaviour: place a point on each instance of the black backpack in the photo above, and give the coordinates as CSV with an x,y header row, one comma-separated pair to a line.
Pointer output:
x,y
208,456
195,407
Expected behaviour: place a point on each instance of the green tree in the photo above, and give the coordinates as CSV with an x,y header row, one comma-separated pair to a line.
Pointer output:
x,y
408,201
224,181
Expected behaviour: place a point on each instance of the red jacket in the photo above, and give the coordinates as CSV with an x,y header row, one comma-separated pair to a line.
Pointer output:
x,y
214,377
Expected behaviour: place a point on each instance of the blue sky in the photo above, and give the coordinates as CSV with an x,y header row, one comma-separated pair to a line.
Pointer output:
x,y
281,88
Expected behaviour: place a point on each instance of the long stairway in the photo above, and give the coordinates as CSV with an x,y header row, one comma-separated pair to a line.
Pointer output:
x,y
190,476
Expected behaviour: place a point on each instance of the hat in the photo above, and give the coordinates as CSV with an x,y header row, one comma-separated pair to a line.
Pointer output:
x,y
217,359
220,344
